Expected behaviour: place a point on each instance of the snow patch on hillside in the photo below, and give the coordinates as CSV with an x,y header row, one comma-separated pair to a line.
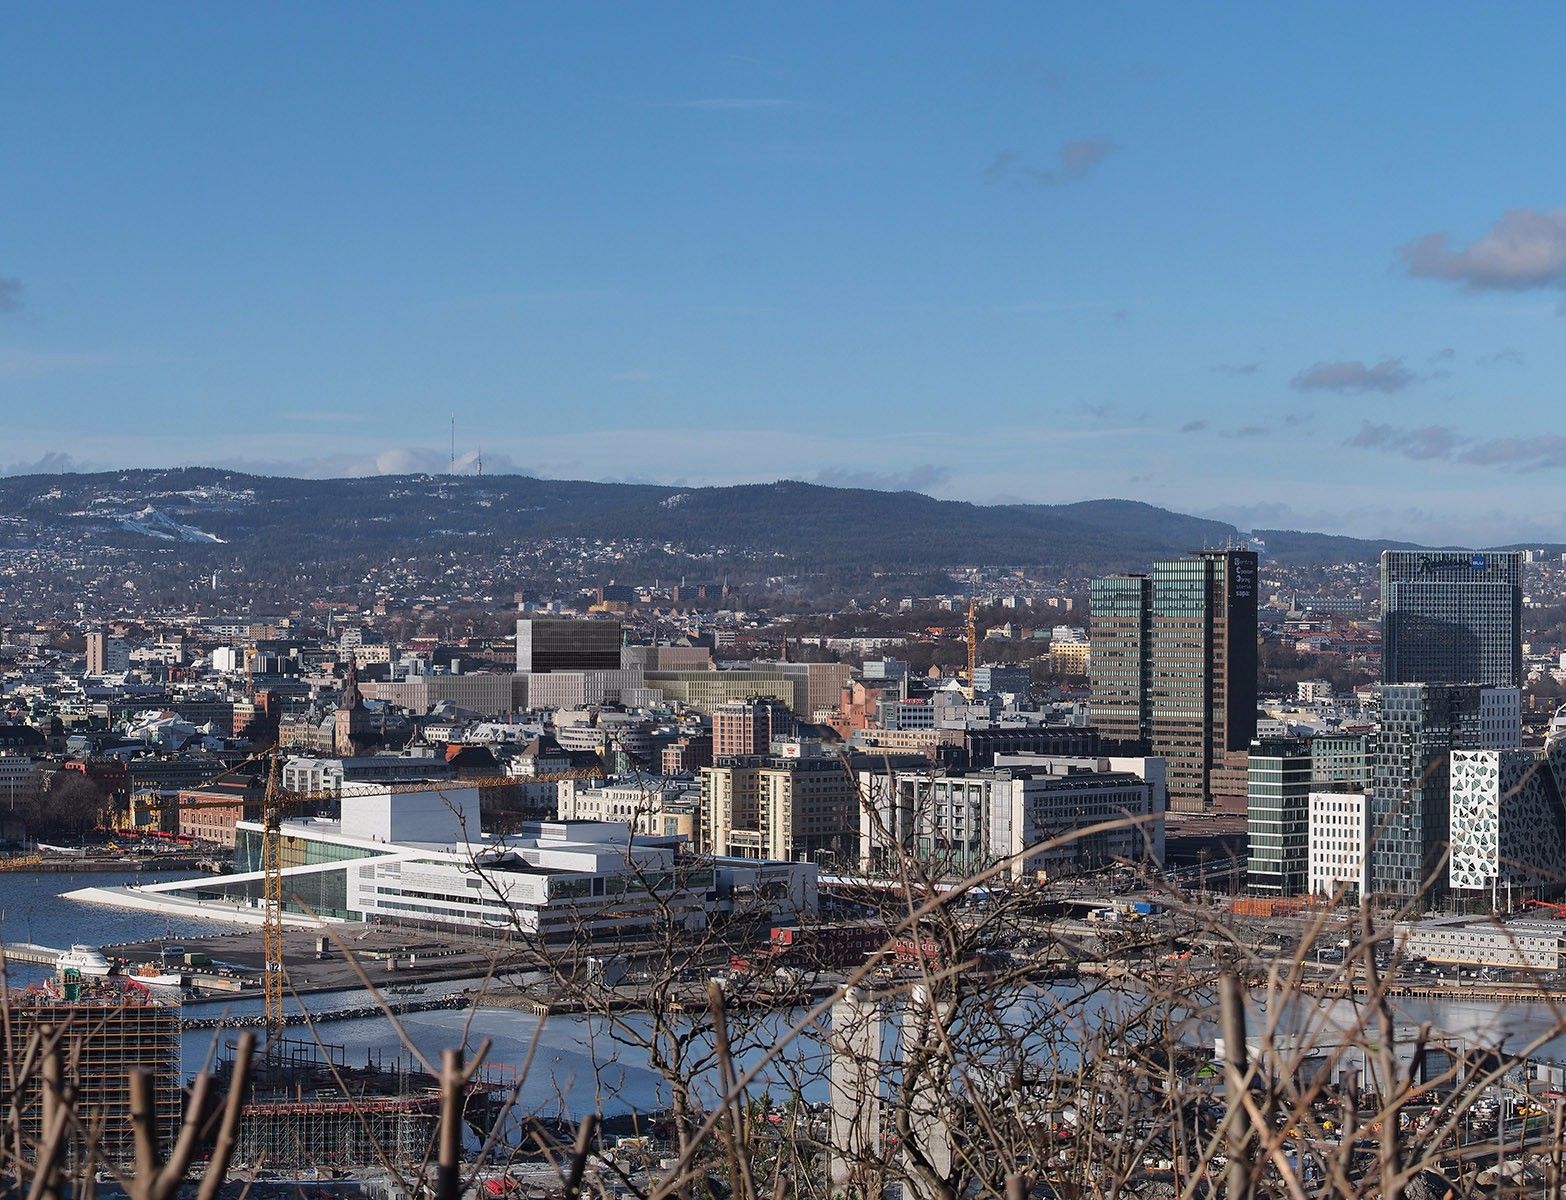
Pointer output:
x,y
155,524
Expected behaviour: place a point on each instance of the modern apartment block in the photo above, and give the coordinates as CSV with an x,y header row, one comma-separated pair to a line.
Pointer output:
x,y
1452,617
1278,815
107,655
1015,679
1192,691
107,1029
560,644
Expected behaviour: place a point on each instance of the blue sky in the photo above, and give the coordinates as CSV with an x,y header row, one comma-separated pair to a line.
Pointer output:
x,y
1289,265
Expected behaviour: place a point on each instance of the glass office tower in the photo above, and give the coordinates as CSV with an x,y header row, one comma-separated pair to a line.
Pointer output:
x,y
1195,682
1451,617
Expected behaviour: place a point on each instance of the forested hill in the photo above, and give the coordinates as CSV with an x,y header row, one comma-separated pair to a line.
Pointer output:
x,y
224,514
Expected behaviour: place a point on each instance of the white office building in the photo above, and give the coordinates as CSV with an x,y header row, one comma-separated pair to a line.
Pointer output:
x,y
1337,858
963,822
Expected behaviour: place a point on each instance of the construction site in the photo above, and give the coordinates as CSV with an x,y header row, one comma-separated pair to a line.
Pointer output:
x,y
310,1108
103,1029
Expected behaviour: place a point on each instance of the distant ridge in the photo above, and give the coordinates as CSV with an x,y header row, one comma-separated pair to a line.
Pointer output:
x,y
218,515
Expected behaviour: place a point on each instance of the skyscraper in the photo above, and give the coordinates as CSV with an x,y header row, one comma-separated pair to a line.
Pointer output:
x,y
1194,694
1409,826
1451,617
1278,815
1120,612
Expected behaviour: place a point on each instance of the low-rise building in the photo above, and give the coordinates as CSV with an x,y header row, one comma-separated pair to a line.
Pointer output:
x,y
650,809
1483,941
21,784
329,774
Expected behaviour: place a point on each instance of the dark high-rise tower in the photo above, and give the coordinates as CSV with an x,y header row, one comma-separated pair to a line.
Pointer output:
x,y
1121,611
1194,696
1451,617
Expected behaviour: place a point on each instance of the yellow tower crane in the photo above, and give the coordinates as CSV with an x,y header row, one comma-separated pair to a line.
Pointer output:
x,y
973,649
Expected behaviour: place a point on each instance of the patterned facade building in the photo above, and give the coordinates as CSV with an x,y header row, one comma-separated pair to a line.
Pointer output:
x,y
1508,822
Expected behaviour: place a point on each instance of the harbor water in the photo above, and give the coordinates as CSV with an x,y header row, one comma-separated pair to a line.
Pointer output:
x,y
569,1065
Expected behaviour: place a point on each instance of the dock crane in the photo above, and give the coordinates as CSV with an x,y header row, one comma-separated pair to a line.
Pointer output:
x,y
276,800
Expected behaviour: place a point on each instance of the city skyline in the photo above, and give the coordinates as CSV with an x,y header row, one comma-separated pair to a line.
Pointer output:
x,y
1298,249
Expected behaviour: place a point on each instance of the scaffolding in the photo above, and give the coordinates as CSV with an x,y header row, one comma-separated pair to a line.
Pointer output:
x,y
309,1108
105,1029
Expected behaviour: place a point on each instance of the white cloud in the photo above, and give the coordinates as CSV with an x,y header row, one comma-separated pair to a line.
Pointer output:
x,y
1526,248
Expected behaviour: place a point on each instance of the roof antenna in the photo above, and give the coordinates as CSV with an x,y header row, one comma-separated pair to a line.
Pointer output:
x,y
453,469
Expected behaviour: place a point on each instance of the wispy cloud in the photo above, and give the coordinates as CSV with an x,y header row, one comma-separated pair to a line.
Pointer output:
x,y
1389,375
919,478
1074,161
735,103
1425,442
1525,249
51,462
17,362
10,294
1540,452
1193,427
1502,358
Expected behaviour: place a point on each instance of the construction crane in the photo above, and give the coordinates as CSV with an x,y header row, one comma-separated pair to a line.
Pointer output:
x,y
277,800
973,649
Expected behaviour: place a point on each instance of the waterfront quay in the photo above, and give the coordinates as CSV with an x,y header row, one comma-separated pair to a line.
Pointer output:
x,y
344,958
